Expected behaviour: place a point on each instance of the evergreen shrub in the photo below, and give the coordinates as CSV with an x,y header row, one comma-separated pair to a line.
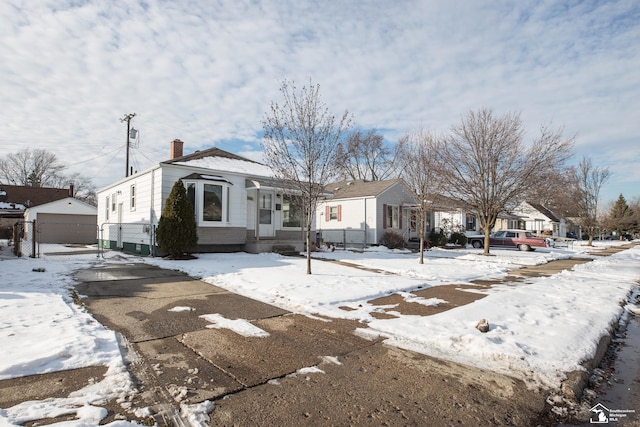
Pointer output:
x,y
176,233
437,238
393,240
458,239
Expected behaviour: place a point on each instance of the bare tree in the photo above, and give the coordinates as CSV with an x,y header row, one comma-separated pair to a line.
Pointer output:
x,y
589,181
301,139
83,188
487,165
34,168
41,168
417,157
365,156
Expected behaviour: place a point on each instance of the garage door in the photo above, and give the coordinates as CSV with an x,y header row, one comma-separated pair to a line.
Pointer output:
x,y
58,228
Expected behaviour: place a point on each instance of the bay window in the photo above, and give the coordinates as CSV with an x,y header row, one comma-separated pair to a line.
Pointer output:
x,y
210,202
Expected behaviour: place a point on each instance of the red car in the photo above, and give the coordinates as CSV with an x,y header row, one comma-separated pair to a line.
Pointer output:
x,y
521,239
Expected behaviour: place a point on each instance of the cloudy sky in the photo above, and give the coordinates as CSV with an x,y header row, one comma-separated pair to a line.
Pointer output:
x,y
206,72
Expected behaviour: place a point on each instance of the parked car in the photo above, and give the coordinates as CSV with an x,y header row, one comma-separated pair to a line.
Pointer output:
x,y
521,239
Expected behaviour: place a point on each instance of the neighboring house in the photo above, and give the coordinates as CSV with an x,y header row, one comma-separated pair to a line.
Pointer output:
x,y
16,199
509,221
238,205
66,220
360,212
449,218
538,219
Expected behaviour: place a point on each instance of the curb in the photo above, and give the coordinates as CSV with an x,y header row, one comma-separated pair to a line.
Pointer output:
x,y
576,382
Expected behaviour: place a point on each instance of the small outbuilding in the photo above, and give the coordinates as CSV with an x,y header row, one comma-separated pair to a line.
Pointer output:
x,y
65,221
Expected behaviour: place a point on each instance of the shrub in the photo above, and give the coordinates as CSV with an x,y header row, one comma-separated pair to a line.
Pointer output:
x,y
393,240
176,233
458,239
437,238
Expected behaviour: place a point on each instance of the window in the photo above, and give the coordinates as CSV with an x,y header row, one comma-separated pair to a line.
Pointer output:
x,y
291,211
212,203
392,214
471,222
191,194
106,209
113,202
333,212
132,193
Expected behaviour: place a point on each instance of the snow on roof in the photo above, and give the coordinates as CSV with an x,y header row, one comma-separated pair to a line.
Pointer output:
x,y
224,164
5,205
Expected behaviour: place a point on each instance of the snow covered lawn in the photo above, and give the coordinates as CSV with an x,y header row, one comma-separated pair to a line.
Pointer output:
x,y
539,330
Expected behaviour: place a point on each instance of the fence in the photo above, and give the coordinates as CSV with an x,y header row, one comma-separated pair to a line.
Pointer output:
x,y
343,238
24,239
136,238
60,240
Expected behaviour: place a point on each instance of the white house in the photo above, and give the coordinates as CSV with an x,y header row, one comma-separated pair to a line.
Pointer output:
x,y
66,220
538,219
238,205
360,212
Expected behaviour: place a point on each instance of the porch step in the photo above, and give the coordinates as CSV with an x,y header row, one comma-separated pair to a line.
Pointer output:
x,y
284,250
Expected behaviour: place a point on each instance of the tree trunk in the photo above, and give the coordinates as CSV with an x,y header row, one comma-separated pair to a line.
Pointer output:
x,y
421,231
487,233
308,249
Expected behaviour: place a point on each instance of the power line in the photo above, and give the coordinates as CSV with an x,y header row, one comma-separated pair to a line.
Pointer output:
x,y
94,158
108,163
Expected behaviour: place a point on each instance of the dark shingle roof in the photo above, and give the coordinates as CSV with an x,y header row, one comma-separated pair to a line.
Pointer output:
x,y
544,211
31,196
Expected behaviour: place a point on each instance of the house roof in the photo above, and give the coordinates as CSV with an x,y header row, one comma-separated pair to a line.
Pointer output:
x,y
210,152
219,160
349,189
30,196
544,211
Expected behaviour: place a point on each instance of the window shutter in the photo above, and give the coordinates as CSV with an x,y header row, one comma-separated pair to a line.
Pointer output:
x,y
400,217
384,216
339,212
327,213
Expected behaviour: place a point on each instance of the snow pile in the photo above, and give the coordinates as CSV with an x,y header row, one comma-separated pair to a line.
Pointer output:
x,y
42,330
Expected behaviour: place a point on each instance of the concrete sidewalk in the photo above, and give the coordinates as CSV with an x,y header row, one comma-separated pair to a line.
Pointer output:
x,y
258,381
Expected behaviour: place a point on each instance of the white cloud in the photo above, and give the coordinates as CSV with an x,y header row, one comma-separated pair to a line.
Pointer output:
x,y
206,72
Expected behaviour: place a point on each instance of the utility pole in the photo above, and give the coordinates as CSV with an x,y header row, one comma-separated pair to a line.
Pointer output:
x,y
127,118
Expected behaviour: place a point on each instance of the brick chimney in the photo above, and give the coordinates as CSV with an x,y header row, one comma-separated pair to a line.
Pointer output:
x,y
71,188
175,149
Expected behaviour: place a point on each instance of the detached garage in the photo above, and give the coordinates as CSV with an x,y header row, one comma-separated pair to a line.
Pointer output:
x,y
66,221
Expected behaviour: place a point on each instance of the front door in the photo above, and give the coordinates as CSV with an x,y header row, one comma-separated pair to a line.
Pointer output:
x,y
265,212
